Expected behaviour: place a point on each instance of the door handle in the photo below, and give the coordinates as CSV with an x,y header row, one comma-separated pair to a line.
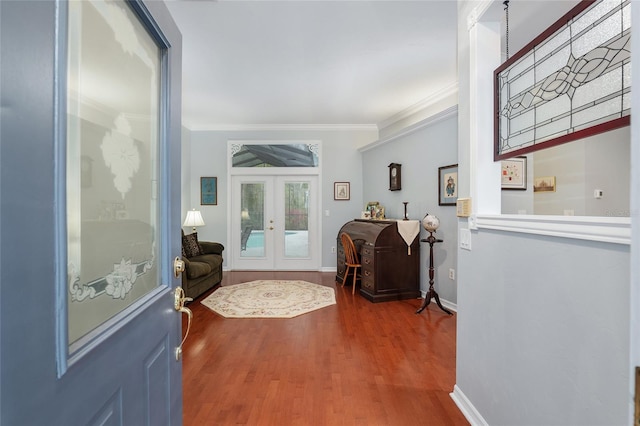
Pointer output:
x,y
178,266
178,304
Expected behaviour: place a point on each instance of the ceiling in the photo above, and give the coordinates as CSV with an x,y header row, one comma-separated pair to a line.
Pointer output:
x,y
248,63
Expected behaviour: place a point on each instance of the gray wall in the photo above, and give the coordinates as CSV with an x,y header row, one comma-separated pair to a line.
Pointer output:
x,y
420,153
543,323
543,330
341,162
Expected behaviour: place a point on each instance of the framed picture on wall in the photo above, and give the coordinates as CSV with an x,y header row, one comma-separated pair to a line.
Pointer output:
x,y
209,191
341,191
544,184
514,173
448,185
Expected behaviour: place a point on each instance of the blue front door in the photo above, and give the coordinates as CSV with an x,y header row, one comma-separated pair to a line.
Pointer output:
x,y
89,214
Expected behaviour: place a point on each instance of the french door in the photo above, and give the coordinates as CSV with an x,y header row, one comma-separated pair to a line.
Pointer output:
x,y
274,222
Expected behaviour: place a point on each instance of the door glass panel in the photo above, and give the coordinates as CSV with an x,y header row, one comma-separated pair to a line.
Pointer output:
x,y
112,163
296,212
252,207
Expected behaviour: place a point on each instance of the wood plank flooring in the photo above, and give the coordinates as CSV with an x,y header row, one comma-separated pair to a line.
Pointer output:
x,y
354,363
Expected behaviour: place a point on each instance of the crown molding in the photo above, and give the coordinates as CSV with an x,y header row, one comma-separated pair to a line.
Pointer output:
x,y
283,127
429,121
436,97
477,13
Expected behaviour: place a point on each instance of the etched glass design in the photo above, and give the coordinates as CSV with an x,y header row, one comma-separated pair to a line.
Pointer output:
x,y
575,79
113,122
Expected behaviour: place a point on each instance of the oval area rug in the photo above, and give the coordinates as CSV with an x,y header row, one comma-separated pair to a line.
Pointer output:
x,y
269,299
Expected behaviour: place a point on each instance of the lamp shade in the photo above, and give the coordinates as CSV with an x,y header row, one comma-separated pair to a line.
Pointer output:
x,y
194,218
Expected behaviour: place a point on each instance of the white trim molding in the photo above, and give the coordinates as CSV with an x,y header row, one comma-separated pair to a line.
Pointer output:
x,y
616,230
433,99
449,112
467,408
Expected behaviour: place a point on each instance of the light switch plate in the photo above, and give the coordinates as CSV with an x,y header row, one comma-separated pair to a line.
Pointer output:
x,y
465,239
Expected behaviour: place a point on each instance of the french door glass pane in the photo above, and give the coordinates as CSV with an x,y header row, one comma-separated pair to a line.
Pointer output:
x,y
112,163
296,208
252,206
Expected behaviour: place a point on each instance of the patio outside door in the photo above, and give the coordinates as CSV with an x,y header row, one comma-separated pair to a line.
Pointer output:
x,y
274,222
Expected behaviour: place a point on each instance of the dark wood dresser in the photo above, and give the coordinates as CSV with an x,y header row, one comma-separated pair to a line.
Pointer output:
x,y
389,272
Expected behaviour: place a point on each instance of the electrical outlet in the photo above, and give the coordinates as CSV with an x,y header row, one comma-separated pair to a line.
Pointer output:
x,y
452,274
333,249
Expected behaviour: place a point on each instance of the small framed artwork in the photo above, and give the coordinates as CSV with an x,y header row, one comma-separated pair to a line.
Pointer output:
x,y
448,185
209,191
514,173
341,191
544,184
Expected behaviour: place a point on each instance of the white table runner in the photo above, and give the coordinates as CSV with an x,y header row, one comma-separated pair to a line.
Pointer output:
x,y
408,230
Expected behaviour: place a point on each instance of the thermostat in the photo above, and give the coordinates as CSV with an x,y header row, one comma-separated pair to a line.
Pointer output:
x,y
463,207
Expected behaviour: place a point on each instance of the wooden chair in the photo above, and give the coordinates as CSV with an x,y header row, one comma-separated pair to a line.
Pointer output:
x,y
350,259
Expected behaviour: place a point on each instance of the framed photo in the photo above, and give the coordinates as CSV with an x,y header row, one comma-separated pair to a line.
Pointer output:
x,y
448,185
544,184
514,173
341,191
209,191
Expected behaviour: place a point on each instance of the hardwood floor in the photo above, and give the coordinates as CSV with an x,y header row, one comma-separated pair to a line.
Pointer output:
x,y
353,363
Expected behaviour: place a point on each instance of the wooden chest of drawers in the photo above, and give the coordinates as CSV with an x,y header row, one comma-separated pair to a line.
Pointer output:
x,y
389,272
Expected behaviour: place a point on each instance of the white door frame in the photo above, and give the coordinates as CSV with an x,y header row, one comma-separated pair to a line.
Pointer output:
x,y
274,227
233,173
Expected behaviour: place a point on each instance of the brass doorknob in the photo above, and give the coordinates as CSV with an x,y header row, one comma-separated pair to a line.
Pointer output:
x,y
178,266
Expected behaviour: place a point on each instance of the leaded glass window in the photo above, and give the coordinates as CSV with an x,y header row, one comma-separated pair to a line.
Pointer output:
x,y
572,81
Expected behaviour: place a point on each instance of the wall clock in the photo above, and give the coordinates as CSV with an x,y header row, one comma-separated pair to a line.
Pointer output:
x,y
395,178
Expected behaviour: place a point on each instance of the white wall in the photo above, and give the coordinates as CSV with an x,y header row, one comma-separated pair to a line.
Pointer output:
x,y
420,153
543,322
340,162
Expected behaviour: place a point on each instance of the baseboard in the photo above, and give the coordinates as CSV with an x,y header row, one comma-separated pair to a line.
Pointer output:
x,y
467,408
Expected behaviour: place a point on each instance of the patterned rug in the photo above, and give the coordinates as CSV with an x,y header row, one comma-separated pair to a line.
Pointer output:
x,y
269,299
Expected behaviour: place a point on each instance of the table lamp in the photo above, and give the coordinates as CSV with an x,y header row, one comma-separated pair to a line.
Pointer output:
x,y
194,218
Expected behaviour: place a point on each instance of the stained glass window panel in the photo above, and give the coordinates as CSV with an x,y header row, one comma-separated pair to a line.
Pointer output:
x,y
576,77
